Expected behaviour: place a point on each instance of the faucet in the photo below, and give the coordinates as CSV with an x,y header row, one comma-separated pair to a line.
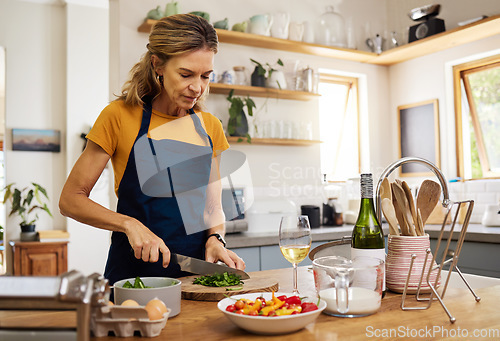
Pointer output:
x,y
398,163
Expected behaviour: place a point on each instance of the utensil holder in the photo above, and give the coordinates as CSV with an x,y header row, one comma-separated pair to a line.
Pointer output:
x,y
399,257
429,272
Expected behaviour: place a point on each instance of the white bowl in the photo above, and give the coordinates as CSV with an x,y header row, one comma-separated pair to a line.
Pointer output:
x,y
270,325
164,288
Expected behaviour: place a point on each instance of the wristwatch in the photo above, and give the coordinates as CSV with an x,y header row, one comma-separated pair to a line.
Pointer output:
x,y
219,238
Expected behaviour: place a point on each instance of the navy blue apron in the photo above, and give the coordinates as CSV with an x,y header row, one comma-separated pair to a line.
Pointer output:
x,y
157,203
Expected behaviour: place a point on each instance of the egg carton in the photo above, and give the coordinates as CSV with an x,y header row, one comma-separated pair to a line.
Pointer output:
x,y
125,321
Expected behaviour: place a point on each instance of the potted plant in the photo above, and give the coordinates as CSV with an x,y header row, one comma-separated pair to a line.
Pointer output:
x,y
269,77
238,124
26,202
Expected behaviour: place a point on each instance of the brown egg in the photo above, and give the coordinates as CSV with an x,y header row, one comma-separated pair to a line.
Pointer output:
x,y
155,308
130,303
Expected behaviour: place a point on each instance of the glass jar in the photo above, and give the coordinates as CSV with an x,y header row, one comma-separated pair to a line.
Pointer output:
x,y
331,29
240,75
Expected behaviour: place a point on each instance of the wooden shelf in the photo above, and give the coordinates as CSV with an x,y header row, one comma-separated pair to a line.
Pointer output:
x,y
461,35
257,91
279,142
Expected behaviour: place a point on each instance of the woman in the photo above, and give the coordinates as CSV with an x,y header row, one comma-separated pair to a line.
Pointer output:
x,y
164,152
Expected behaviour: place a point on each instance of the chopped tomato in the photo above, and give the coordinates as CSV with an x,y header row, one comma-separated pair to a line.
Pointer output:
x,y
307,306
293,300
239,304
281,298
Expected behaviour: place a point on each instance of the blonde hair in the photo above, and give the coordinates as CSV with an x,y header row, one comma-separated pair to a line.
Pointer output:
x,y
169,37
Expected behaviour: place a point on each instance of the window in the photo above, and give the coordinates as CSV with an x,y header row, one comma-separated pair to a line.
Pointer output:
x,y
477,114
338,107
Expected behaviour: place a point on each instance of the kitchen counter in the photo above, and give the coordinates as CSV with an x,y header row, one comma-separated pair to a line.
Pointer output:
x,y
323,233
203,321
475,233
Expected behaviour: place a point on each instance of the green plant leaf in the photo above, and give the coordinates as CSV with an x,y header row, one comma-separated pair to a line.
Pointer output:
x,y
22,202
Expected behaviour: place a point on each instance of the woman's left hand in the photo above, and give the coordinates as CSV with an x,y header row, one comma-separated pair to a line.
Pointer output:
x,y
215,252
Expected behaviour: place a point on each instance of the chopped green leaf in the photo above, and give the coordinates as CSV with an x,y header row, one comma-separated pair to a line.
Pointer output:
x,y
219,280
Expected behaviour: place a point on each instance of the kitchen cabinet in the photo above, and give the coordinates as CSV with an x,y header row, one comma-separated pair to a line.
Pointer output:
x,y
461,35
475,257
268,257
251,256
39,258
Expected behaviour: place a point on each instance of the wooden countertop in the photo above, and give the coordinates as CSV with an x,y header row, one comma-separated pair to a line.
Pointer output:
x,y
203,321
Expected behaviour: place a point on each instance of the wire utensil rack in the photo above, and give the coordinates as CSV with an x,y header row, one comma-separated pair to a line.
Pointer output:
x,y
452,209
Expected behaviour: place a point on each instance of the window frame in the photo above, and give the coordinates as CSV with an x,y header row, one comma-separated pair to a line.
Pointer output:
x,y
460,71
353,88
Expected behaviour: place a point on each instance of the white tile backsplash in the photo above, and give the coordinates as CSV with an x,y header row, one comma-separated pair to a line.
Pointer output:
x,y
483,192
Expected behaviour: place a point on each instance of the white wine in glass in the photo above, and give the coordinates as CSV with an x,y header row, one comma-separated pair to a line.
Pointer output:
x,y
295,241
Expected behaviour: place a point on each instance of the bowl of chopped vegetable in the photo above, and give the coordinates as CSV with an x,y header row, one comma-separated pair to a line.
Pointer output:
x,y
144,289
270,313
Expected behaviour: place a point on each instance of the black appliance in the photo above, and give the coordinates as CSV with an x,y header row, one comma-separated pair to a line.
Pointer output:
x,y
312,212
430,24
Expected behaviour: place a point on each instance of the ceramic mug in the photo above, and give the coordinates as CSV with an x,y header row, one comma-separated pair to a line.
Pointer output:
x,y
350,288
279,29
295,31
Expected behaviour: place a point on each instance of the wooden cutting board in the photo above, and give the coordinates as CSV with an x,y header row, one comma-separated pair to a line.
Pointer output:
x,y
197,292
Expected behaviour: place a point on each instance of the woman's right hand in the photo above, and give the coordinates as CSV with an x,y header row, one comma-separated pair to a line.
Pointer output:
x,y
146,245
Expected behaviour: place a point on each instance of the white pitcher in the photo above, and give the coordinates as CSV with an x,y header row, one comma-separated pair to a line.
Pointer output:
x,y
279,28
261,24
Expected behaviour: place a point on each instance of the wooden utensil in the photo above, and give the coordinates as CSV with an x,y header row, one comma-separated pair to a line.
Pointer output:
x,y
427,198
390,215
385,190
406,209
411,204
399,208
420,223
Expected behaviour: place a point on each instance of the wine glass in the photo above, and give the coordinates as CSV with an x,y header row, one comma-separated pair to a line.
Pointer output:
x,y
295,241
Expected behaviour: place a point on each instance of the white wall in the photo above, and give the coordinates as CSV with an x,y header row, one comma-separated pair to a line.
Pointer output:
x,y
87,78
34,38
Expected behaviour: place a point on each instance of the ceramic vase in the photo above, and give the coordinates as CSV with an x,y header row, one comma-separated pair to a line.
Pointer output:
x,y
28,233
240,124
256,79
400,249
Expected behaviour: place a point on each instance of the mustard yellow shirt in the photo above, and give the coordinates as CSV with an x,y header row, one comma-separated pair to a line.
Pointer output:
x,y
117,126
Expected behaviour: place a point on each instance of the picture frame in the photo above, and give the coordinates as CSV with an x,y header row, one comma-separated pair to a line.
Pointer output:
x,y
418,136
36,140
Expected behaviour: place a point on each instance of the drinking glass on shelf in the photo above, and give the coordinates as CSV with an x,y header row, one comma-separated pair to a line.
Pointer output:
x,y
295,241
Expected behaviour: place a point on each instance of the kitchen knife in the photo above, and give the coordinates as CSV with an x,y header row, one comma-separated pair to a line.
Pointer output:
x,y
201,267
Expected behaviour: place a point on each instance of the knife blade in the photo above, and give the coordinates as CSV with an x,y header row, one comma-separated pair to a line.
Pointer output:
x,y
201,267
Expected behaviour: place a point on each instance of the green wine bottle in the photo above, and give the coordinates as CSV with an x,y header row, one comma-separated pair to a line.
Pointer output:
x,y
367,235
